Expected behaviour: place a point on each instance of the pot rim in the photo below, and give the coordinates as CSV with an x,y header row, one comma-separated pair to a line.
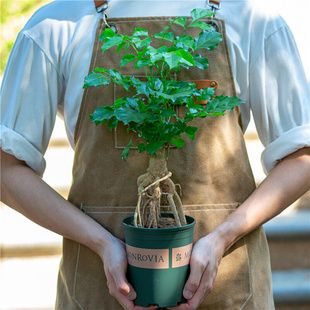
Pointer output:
x,y
190,220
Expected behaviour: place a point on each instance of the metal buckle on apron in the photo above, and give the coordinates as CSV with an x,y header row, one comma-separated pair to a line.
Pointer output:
x,y
215,5
102,8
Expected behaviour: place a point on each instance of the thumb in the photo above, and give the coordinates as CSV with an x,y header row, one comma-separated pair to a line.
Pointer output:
x,y
124,287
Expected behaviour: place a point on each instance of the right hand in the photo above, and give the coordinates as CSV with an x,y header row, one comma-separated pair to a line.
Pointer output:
x,y
115,267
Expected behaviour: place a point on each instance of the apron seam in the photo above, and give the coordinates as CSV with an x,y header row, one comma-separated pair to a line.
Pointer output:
x,y
75,276
249,274
189,205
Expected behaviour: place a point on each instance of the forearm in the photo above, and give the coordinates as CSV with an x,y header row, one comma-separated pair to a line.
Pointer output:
x,y
288,181
23,190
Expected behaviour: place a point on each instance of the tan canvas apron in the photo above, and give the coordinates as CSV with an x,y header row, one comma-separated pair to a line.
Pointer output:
x,y
214,174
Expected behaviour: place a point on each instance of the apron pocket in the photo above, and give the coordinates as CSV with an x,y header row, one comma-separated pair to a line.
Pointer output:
x,y
232,287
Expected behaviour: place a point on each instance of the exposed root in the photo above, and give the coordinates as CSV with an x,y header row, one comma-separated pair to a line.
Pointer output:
x,y
151,187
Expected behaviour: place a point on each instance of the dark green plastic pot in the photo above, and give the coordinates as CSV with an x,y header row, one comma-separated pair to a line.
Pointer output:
x,y
158,262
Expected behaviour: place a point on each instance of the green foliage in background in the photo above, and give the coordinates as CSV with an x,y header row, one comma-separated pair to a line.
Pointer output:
x,y
10,11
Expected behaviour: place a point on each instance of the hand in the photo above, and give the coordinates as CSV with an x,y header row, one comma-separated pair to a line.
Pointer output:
x,y
115,266
205,259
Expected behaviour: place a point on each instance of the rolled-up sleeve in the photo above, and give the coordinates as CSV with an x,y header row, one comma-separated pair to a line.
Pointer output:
x,y
280,98
30,93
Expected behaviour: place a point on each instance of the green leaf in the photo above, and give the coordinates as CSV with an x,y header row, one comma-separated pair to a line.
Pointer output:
x,y
179,21
112,41
172,59
120,47
118,78
102,114
221,104
202,25
186,57
107,34
200,13
141,54
205,94
191,131
142,63
141,147
141,43
95,79
153,146
141,87
127,114
186,42
126,152
113,123
169,36
127,58
138,32
208,40
168,112
201,63
178,141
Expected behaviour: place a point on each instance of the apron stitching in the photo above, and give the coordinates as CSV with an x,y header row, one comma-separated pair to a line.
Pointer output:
x,y
197,205
249,271
114,212
165,18
75,276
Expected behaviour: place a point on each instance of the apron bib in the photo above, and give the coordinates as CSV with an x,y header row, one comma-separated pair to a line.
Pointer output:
x,y
213,171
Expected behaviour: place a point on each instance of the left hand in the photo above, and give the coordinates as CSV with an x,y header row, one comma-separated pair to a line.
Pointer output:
x,y
205,259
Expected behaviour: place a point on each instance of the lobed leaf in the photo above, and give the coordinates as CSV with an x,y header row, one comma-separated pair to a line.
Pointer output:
x,y
178,141
126,59
201,63
179,21
126,152
186,42
102,114
95,79
221,104
208,40
153,146
202,25
112,41
127,114
191,132
169,36
200,13
139,32
107,34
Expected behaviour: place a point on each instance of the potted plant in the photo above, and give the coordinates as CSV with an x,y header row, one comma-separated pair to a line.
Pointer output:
x,y
150,112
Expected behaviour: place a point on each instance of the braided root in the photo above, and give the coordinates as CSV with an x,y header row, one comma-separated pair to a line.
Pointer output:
x,y
152,186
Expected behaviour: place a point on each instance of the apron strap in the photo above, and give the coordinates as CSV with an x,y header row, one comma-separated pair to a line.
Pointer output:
x,y
101,5
214,4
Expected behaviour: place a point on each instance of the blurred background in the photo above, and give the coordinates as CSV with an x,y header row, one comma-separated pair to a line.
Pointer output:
x,y
30,255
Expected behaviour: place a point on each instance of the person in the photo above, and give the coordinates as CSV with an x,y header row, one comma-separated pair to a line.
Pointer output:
x,y
44,75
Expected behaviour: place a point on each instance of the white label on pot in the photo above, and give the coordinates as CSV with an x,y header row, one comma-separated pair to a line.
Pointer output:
x,y
148,258
181,256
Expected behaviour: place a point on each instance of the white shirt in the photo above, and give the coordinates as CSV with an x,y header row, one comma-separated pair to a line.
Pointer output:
x,y
51,57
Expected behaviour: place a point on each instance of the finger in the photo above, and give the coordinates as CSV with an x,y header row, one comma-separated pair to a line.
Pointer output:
x,y
123,287
148,308
204,288
194,279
